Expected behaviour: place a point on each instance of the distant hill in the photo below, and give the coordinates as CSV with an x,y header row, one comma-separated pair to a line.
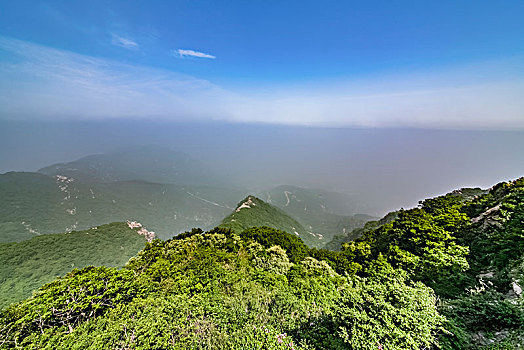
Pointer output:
x,y
168,191
147,163
33,204
316,200
254,212
27,265
321,212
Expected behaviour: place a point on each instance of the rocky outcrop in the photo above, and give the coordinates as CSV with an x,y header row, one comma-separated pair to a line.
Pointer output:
x,y
149,235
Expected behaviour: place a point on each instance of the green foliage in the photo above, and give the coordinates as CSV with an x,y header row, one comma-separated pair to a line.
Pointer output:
x,y
496,238
213,290
484,313
448,243
337,241
422,242
67,302
378,313
34,203
395,315
264,288
268,237
27,265
253,212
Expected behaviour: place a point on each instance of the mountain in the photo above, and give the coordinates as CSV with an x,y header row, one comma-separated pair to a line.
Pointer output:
x,y
321,212
27,265
447,274
166,190
468,246
33,204
254,212
147,163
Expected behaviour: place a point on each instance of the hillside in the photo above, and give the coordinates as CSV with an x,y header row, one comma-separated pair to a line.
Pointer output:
x,y
35,204
465,194
447,274
220,290
168,191
254,212
338,240
468,246
27,265
321,212
316,200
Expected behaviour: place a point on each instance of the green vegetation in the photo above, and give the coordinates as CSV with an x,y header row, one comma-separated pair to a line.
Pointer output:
x,y
224,291
468,247
169,192
338,240
27,265
254,212
447,274
34,204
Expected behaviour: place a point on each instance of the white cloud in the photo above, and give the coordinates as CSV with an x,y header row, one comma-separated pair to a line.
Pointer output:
x,y
487,95
38,82
493,106
124,42
191,53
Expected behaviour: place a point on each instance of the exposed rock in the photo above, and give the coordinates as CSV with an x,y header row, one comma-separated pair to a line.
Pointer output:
x,y
247,204
134,224
486,275
488,212
481,339
516,289
149,235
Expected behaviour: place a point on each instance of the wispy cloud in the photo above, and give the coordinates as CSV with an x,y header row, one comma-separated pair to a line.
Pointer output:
x,y
124,42
191,53
38,82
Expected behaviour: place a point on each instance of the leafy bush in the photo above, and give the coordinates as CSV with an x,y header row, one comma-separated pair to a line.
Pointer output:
x,y
378,313
268,237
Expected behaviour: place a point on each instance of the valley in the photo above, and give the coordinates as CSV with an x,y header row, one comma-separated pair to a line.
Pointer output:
x,y
101,189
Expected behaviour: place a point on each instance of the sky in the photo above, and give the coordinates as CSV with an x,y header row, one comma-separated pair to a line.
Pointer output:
x,y
431,64
397,101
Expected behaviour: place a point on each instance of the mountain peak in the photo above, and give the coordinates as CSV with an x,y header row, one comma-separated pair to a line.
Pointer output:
x,y
249,202
264,214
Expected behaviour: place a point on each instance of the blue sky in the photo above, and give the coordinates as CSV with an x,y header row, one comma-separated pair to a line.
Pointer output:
x,y
429,64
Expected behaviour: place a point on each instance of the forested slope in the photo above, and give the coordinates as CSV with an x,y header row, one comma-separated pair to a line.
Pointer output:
x,y
253,212
27,265
446,274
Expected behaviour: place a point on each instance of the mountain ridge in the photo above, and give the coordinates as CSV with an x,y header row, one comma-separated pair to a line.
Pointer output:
x,y
445,274
254,212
